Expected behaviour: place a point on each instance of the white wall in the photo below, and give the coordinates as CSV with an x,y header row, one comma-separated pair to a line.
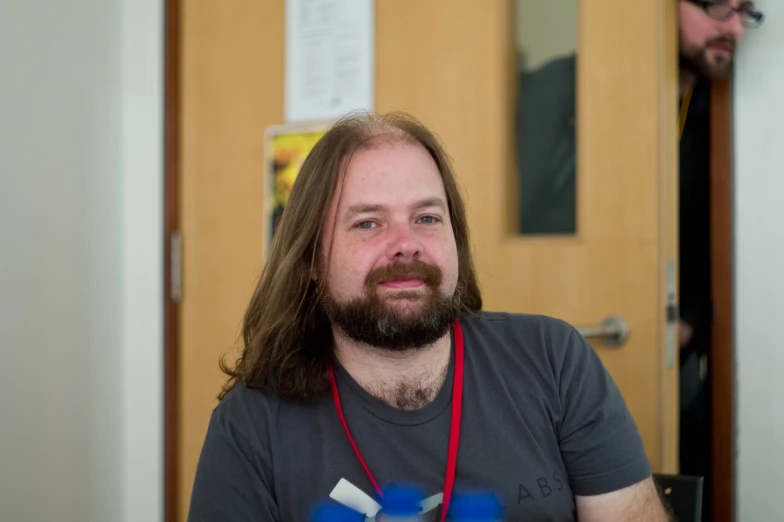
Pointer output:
x,y
759,268
80,261
142,253
545,30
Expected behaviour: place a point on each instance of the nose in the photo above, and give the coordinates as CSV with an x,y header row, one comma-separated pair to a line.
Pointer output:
x,y
734,26
404,243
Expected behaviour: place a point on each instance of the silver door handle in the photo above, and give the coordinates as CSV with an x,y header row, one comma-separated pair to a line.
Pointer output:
x,y
614,331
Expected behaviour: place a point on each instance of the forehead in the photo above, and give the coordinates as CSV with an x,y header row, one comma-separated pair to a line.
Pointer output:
x,y
391,173
730,2
699,9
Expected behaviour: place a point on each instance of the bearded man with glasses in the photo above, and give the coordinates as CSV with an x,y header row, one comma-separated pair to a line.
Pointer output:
x,y
709,33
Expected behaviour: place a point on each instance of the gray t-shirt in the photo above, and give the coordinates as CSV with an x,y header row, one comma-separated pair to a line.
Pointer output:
x,y
542,421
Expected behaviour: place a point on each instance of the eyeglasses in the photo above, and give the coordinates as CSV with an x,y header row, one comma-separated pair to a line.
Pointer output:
x,y
749,16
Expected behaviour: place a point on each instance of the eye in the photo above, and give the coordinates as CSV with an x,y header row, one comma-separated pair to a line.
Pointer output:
x,y
366,225
428,220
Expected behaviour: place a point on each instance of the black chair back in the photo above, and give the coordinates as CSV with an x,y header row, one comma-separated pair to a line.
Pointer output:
x,y
683,494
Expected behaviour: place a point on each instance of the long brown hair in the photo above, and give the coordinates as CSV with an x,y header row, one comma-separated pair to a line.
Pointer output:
x,y
287,338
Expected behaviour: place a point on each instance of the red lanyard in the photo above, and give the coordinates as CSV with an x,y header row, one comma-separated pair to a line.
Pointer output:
x,y
454,430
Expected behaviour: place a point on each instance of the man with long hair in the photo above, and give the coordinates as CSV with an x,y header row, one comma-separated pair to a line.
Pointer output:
x,y
367,362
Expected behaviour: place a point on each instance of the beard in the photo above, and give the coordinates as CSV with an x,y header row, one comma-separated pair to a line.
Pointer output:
x,y
374,320
699,62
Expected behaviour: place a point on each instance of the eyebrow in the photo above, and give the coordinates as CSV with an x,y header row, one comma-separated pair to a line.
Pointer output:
x,y
355,210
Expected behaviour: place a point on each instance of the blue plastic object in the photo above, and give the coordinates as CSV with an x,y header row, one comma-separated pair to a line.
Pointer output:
x,y
475,507
336,513
401,501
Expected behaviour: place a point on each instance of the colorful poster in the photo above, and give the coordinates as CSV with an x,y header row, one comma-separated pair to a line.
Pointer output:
x,y
286,150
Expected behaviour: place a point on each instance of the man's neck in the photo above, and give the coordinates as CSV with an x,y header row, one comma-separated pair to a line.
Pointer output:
x,y
407,379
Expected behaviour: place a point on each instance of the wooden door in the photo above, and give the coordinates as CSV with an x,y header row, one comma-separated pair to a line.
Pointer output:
x,y
451,64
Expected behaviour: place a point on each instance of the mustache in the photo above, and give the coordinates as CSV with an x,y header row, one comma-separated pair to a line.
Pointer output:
x,y
722,40
428,274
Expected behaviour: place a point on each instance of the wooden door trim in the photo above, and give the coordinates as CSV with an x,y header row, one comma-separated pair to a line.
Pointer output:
x,y
722,361
171,211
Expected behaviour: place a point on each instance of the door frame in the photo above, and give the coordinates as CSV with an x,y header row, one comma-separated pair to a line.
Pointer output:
x,y
171,212
722,357
722,362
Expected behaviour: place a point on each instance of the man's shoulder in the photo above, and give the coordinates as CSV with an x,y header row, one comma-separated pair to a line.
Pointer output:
x,y
249,407
557,72
518,324
561,65
533,337
238,404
